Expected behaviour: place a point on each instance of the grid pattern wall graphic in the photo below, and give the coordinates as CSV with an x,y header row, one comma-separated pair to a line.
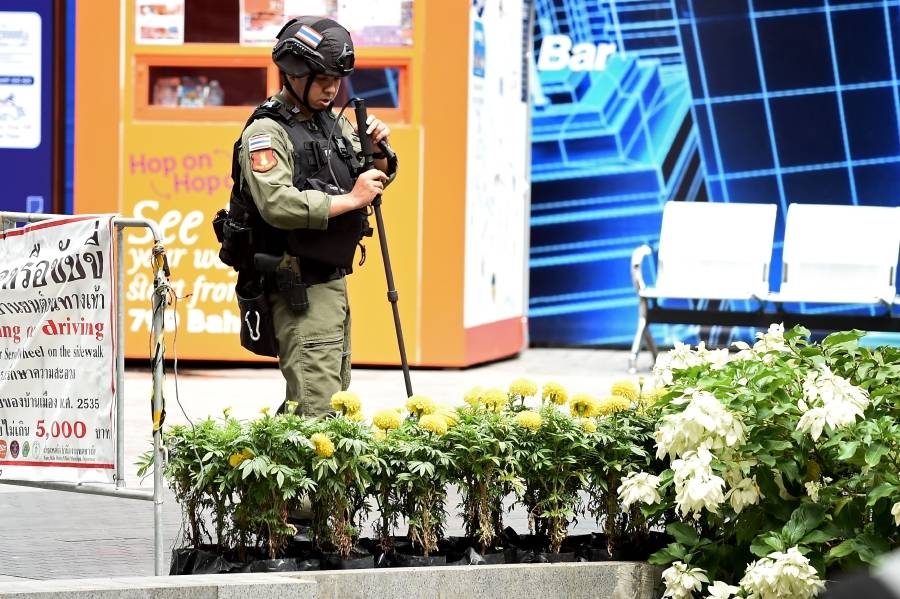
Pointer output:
x,y
796,101
612,140
777,101
646,29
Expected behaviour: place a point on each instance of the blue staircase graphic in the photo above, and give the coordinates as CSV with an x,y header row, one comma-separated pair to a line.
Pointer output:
x,y
609,148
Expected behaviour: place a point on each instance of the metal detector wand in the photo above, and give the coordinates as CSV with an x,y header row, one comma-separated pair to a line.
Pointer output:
x,y
368,163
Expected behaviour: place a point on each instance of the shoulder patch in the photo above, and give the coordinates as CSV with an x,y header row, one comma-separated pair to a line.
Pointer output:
x,y
260,141
263,160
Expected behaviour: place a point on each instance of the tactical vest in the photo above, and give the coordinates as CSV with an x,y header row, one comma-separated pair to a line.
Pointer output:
x,y
316,159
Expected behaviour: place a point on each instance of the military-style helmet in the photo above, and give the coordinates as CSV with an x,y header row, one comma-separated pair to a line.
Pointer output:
x,y
314,45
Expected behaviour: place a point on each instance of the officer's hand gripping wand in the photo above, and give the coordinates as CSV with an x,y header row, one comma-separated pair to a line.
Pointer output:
x,y
368,163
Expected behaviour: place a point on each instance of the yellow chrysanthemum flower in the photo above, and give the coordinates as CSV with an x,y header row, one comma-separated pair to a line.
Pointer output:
x,y
236,459
530,420
379,435
346,402
612,404
290,406
656,394
386,419
648,397
324,448
626,389
473,396
583,405
523,388
419,405
448,414
226,412
264,410
434,423
554,393
588,425
495,399
355,416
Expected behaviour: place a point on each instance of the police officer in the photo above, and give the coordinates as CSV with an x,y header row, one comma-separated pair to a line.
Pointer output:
x,y
299,162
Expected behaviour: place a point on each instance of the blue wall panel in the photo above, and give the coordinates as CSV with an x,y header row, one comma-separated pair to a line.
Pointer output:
x,y
719,100
27,171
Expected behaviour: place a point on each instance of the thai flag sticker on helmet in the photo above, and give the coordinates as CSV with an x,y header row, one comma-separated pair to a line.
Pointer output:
x,y
309,36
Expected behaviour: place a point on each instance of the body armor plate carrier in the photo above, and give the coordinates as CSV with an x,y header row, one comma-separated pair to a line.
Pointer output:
x,y
242,230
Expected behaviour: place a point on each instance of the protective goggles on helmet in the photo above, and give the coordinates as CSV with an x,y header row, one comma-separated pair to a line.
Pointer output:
x,y
289,49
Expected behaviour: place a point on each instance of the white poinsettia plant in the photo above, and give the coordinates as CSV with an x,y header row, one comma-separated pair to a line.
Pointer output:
x,y
782,464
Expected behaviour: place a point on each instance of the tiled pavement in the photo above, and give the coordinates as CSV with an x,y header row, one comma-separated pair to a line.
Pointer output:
x,y
60,535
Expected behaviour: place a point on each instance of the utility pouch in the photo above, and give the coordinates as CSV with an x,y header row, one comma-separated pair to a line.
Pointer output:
x,y
236,241
287,278
218,224
257,324
288,282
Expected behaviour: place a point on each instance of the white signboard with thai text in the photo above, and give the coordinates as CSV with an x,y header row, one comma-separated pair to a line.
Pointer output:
x,y
57,351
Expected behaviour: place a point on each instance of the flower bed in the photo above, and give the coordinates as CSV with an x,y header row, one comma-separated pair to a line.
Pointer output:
x,y
558,458
753,474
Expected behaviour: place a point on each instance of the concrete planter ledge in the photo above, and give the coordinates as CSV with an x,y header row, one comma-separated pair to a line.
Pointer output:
x,y
594,580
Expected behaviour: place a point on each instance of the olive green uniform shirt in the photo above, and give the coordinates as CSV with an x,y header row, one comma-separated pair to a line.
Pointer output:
x,y
280,203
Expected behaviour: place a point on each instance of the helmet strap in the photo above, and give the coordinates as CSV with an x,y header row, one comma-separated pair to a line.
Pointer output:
x,y
304,101
309,82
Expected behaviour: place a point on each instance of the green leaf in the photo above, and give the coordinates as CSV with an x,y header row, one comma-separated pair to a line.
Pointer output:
x,y
673,552
661,558
790,471
766,459
874,453
683,533
870,547
882,490
842,337
763,546
778,445
843,549
816,537
848,450
804,519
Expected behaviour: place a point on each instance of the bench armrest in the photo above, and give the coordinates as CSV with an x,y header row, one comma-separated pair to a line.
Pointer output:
x,y
637,261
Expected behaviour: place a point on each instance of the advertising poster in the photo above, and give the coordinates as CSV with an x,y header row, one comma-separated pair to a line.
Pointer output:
x,y
20,80
261,20
180,187
26,105
159,22
497,186
385,23
57,352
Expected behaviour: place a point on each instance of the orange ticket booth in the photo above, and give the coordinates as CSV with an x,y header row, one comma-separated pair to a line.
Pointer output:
x,y
163,93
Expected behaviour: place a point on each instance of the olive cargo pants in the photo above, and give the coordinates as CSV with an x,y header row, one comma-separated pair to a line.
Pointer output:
x,y
314,346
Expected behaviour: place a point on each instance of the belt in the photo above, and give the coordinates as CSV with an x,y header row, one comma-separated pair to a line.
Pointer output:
x,y
319,273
